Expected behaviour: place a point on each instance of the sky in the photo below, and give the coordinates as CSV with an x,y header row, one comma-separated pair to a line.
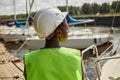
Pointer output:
x,y
7,7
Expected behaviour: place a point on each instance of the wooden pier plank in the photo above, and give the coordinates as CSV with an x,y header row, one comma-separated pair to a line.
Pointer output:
x,y
8,68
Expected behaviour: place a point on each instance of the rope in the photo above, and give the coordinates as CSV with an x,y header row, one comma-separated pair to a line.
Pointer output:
x,y
19,49
21,46
36,5
26,25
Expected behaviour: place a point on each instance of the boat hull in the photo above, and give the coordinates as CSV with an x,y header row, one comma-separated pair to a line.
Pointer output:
x,y
78,43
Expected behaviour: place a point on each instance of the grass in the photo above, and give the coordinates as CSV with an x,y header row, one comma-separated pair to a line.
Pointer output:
x,y
93,15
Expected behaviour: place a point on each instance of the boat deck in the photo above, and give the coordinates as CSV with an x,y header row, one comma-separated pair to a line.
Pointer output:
x,y
111,69
10,67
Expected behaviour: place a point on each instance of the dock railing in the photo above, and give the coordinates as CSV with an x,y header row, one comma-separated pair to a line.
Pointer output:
x,y
98,58
95,50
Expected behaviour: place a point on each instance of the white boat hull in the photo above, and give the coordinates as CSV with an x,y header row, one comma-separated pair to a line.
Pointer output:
x,y
74,42
84,43
15,34
10,38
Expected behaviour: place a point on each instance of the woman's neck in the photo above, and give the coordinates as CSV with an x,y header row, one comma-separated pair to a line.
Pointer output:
x,y
52,43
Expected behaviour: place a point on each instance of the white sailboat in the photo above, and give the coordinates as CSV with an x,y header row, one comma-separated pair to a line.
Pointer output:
x,y
18,32
78,39
12,34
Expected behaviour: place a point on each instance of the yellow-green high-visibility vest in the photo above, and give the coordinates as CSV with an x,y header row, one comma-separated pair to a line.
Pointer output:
x,y
53,64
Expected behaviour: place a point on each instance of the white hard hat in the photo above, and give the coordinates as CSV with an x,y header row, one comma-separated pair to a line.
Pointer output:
x,y
47,20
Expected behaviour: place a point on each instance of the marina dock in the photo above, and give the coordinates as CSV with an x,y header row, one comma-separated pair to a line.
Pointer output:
x,y
10,67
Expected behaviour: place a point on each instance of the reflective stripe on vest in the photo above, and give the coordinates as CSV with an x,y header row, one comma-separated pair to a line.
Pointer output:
x,y
53,64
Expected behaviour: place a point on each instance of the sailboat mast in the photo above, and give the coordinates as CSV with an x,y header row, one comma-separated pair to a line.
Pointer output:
x,y
14,6
26,8
67,6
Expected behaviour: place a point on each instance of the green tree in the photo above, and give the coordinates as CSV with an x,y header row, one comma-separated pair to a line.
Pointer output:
x,y
96,8
86,8
76,10
73,10
105,8
112,11
62,8
116,6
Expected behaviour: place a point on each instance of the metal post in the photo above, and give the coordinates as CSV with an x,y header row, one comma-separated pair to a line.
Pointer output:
x,y
67,6
85,50
14,7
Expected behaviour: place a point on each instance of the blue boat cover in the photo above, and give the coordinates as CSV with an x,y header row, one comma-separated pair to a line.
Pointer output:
x,y
72,21
20,24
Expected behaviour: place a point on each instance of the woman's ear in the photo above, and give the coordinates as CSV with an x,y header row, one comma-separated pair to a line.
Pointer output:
x,y
59,32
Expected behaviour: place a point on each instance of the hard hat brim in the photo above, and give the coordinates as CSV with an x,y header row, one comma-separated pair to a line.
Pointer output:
x,y
65,14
